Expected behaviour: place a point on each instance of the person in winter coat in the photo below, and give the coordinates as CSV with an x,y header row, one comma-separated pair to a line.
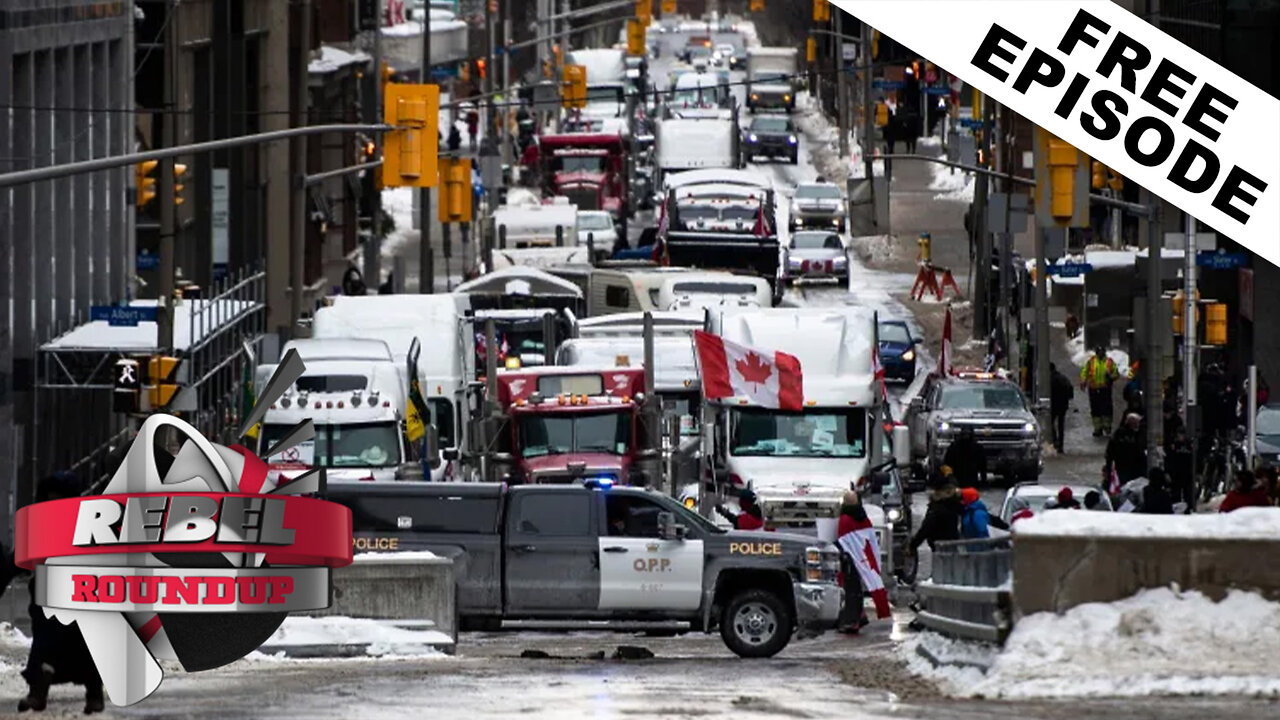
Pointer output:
x,y
1060,393
1096,376
966,459
1245,493
1267,479
1021,510
1156,499
941,519
1178,465
853,517
751,517
473,127
1066,500
1127,450
1093,500
976,520
58,652
455,138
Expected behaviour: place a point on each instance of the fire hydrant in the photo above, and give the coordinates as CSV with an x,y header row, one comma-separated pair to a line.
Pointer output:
x,y
926,253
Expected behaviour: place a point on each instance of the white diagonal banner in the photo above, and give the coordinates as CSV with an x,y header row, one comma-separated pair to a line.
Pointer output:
x,y
1116,87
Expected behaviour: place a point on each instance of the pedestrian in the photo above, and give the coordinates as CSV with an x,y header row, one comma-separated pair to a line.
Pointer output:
x,y
1156,499
1127,451
1093,500
1060,394
1096,376
966,459
976,520
1246,492
942,517
1066,500
473,127
1019,509
1177,463
891,131
751,517
1133,383
58,652
455,138
853,517
1266,476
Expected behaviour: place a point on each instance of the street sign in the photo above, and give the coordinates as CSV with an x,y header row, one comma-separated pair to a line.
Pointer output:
x,y
1220,260
147,260
1070,270
124,315
888,85
931,90
970,122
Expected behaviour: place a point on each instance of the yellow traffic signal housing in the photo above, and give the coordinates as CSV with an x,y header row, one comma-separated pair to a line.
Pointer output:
x,y
757,5
455,190
573,93
811,50
635,37
146,186
162,383
1062,183
410,151
668,7
1099,179
1215,325
875,44
1115,180
644,11
882,113
179,171
821,11
1179,317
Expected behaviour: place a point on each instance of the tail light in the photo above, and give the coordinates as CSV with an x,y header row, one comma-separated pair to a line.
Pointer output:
x,y
735,479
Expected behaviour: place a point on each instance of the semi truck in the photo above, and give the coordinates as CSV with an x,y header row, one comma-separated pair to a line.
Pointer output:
x,y
771,78
590,169
686,144
591,553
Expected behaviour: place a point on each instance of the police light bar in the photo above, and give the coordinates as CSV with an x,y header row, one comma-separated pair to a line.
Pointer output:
x,y
599,483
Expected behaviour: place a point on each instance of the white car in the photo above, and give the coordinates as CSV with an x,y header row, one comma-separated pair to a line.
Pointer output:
x,y
1038,495
599,225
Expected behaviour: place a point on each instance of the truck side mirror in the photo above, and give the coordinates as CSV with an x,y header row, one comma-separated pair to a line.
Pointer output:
x,y
901,446
432,449
668,529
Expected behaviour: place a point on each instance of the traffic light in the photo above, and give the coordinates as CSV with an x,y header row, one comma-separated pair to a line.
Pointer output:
x,y
811,50
179,171
644,11
1115,180
388,72
915,69
558,55
757,6
146,186
162,380
882,113
464,71
455,190
1215,325
821,11
410,151
1179,317
635,37
573,92
875,44
1062,183
124,396
480,68
668,7
1099,180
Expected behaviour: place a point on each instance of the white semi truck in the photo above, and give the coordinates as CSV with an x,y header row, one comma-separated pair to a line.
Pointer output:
x,y
771,78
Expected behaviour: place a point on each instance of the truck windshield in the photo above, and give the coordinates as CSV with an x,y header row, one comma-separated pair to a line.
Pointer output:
x,y
978,397
608,432
581,163
820,432
364,445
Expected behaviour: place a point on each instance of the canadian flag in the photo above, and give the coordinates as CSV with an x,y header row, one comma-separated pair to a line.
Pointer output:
x,y
863,547
944,359
769,379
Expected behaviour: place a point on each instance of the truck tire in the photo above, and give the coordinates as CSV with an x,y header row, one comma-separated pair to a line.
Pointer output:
x,y
756,624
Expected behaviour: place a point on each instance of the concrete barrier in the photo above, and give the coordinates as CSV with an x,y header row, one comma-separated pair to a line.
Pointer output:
x,y
1057,565
397,586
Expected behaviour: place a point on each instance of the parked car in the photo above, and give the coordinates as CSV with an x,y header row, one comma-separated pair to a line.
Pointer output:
x,y
771,136
600,226
816,255
818,205
1267,425
1038,494
898,351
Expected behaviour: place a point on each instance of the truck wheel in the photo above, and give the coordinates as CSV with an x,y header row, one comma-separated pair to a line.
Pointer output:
x,y
756,624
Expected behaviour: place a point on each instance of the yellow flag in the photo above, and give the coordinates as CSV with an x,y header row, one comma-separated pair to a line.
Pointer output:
x,y
415,428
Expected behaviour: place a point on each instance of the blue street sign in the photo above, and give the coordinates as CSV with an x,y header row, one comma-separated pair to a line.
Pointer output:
x,y
888,84
147,260
1070,270
1220,260
970,123
444,72
124,315
937,91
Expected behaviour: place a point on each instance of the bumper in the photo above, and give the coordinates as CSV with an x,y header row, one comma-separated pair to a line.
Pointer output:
x,y
901,370
817,605
770,149
1002,459
770,101
805,221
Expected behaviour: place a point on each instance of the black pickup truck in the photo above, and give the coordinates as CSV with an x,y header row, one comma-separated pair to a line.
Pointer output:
x,y
584,553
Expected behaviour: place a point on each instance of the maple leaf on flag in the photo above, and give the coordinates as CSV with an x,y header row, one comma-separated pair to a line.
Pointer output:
x,y
872,560
753,369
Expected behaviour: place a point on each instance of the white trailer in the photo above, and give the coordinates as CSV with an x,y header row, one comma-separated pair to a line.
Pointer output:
x,y
695,144
535,226
771,78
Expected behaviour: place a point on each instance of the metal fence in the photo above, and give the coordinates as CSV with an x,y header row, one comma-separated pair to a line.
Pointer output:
x,y
970,593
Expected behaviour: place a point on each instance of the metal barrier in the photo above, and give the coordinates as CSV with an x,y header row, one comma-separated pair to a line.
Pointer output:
x,y
970,593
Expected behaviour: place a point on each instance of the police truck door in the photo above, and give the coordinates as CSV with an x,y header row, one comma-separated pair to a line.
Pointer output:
x,y
638,569
552,567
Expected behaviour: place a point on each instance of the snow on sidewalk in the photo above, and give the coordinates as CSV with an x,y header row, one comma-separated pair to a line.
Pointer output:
x,y
382,637
1158,642
950,183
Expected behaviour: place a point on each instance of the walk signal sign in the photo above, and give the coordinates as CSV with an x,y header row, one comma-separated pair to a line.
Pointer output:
x,y
411,149
757,6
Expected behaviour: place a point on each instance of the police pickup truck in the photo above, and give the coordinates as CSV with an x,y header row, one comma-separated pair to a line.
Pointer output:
x,y
588,552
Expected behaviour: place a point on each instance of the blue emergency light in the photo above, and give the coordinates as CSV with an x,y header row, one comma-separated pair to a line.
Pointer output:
x,y
599,483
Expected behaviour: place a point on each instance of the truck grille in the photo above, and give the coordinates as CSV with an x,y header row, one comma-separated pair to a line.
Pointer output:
x,y
789,513
586,198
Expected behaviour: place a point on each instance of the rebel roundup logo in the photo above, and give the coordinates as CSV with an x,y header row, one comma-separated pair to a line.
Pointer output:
x,y
196,557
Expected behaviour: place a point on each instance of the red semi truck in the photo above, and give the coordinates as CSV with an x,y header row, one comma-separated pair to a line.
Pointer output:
x,y
588,168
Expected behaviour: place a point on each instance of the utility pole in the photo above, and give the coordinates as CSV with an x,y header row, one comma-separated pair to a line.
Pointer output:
x,y
426,263
506,72
1004,157
168,209
841,119
492,123
1042,326
1151,381
978,220
868,120
298,165
1190,351
373,246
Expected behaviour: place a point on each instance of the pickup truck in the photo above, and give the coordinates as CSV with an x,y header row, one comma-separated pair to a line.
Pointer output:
x,y
588,552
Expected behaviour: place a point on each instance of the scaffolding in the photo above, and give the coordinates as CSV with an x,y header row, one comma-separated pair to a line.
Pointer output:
x,y
76,425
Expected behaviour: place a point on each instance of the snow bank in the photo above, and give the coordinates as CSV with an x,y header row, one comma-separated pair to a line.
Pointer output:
x,y
396,556
382,636
1243,524
957,185
875,249
12,638
332,58
1158,642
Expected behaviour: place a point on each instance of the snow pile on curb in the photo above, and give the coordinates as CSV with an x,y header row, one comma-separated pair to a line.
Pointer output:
x,y
1158,642
875,249
1080,355
957,185
398,203
1260,523
381,636
12,638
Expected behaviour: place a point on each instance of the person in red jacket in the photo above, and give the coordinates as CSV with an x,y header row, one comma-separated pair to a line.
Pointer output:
x,y
751,517
853,613
1245,493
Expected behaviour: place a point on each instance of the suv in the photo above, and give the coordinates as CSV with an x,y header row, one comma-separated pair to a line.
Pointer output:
x,y
817,206
993,407
772,136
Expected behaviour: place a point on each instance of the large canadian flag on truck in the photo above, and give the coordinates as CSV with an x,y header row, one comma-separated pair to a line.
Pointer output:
x,y
768,378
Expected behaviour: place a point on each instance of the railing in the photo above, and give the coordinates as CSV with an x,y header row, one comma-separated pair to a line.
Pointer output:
x,y
970,593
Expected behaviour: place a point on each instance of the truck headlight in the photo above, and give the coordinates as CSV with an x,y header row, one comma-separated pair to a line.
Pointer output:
x,y
894,514
752,137
792,139
944,427
1029,429
909,355
813,556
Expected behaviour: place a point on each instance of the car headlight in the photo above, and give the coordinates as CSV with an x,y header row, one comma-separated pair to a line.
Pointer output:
x,y
792,139
786,98
799,221
755,96
1029,428
894,514
909,355
944,427
752,137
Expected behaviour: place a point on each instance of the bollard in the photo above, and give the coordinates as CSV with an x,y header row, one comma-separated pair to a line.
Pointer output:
x,y
502,237
559,236
591,248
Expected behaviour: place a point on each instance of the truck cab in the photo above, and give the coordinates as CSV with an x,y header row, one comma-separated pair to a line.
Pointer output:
x,y
599,553
588,168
